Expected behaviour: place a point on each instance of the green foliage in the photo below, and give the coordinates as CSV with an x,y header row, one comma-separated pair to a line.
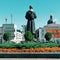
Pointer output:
x,y
6,36
50,44
48,36
28,45
28,36
7,45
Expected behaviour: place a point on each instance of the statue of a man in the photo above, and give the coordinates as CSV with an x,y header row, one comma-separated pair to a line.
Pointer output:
x,y
30,16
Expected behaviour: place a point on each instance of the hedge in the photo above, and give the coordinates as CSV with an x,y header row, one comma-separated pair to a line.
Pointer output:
x,y
28,45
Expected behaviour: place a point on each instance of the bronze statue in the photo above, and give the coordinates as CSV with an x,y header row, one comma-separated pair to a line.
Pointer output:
x,y
30,16
50,21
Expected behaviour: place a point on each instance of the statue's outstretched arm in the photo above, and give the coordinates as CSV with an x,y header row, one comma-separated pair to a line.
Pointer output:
x,y
35,15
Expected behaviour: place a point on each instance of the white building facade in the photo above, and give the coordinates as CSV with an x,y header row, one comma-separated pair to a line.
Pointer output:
x,y
40,34
12,29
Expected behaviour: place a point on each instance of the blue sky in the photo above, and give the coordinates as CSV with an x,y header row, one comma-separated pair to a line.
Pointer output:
x,y
18,8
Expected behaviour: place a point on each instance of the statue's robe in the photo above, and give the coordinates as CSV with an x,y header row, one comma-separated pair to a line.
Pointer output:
x,y
30,16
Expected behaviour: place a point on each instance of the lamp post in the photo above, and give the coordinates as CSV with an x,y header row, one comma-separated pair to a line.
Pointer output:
x,y
6,20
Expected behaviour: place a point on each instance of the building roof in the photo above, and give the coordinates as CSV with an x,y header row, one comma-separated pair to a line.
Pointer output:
x,y
52,26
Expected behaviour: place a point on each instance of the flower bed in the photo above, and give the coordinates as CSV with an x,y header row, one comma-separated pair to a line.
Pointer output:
x,y
53,49
29,47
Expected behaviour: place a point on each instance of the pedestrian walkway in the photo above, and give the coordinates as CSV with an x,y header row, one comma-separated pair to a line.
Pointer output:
x,y
29,59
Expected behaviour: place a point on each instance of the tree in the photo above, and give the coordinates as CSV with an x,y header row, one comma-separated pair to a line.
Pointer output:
x,y
28,36
6,36
48,36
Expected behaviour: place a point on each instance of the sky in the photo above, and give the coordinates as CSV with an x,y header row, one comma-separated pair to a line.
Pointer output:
x,y
18,9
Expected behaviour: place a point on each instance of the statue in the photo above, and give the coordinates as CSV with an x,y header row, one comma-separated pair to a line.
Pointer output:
x,y
30,16
50,21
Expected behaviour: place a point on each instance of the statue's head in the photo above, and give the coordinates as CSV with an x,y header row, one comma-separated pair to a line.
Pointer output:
x,y
30,7
50,16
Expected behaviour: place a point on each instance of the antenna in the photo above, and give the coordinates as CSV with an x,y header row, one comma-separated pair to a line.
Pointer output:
x,y
11,18
6,20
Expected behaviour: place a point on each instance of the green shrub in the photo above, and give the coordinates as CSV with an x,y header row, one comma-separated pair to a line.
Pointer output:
x,y
6,36
50,44
28,45
48,36
37,45
28,36
7,45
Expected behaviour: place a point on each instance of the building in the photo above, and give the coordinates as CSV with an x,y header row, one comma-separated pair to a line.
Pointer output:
x,y
54,29
40,34
51,27
12,29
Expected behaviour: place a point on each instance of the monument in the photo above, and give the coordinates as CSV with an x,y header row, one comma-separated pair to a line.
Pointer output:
x,y
50,21
30,16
